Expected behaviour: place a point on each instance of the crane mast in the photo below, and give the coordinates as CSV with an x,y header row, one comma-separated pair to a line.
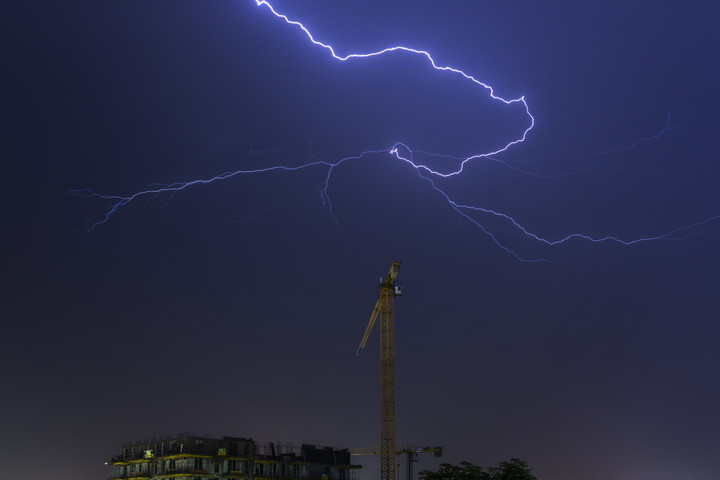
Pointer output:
x,y
385,308
387,384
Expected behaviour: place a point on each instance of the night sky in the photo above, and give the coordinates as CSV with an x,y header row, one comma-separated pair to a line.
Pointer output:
x,y
235,308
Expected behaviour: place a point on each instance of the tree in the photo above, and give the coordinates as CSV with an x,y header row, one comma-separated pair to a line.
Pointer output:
x,y
514,469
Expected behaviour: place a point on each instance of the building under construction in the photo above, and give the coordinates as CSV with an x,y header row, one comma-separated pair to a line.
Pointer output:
x,y
199,458
191,457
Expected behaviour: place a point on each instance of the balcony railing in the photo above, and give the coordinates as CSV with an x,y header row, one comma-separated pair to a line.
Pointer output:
x,y
194,471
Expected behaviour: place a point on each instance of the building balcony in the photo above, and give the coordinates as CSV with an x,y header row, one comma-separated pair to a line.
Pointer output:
x,y
183,472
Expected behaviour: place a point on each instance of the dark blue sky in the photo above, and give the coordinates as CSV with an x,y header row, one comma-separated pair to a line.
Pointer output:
x,y
236,308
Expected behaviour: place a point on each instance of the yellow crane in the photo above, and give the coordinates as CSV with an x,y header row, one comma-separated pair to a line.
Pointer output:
x,y
385,307
411,452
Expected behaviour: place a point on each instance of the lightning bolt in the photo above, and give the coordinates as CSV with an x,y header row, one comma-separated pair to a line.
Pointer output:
x,y
404,153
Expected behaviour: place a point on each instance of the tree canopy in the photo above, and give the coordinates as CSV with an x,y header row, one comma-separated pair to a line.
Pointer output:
x,y
514,469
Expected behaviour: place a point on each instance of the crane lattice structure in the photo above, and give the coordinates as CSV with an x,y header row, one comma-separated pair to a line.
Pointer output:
x,y
385,307
410,451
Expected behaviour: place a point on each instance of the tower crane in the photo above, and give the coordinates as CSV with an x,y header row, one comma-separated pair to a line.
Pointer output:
x,y
411,452
385,307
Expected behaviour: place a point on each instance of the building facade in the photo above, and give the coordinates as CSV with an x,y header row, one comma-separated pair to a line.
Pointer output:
x,y
190,457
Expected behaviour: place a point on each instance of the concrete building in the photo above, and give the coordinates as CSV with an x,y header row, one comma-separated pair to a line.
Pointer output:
x,y
190,457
